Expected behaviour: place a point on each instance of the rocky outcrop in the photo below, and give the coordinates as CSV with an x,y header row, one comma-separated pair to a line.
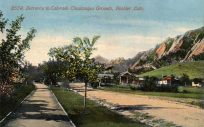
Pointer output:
x,y
173,50
197,49
161,50
176,46
143,56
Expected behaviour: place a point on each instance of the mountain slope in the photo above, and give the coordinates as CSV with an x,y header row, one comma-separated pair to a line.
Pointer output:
x,y
192,69
101,59
182,48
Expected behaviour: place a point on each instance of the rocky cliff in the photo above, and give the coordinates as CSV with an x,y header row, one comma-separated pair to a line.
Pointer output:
x,y
182,48
186,47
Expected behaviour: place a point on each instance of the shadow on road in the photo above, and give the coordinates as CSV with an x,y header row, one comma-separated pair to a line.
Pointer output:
x,y
40,109
137,107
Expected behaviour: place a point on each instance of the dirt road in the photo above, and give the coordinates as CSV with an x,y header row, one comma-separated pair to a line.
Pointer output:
x,y
40,110
178,113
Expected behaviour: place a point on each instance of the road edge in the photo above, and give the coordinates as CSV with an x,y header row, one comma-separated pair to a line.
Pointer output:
x,y
62,108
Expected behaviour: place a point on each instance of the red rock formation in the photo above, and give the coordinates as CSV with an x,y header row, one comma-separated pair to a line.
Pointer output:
x,y
176,44
197,49
161,50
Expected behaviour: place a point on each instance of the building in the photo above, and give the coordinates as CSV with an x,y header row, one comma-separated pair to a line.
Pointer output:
x,y
130,78
168,80
105,78
198,84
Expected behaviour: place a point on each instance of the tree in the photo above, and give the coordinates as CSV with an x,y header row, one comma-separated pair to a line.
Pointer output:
x,y
88,68
53,71
70,57
77,56
32,73
12,50
185,79
149,83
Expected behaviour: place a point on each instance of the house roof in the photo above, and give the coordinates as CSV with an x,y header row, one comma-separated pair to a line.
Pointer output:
x,y
167,78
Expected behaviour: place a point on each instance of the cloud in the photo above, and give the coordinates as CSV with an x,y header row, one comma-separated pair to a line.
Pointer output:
x,y
124,46
183,29
41,44
111,46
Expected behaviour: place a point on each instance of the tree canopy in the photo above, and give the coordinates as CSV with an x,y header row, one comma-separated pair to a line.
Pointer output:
x,y
75,60
12,50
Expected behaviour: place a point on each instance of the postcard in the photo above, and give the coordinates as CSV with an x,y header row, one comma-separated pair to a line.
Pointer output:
x,y
102,63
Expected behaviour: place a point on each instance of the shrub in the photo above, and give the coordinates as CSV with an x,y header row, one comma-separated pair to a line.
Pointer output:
x,y
9,103
149,84
166,88
94,84
133,87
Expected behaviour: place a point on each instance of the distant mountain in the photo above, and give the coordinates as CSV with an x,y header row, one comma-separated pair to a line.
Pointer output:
x,y
182,48
101,59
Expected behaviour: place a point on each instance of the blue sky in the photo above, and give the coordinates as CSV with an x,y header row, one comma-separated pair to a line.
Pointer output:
x,y
123,33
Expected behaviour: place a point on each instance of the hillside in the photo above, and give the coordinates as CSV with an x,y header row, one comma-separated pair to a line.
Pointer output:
x,y
192,69
182,48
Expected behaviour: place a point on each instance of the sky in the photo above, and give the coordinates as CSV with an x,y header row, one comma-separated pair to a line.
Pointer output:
x,y
123,33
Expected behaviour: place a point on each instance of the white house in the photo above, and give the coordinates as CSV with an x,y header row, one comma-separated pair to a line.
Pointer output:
x,y
196,84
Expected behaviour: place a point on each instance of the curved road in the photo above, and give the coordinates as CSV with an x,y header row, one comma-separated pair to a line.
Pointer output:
x,y
40,110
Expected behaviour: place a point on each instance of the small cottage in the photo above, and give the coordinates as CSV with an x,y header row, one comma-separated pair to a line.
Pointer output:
x,y
196,84
130,78
166,80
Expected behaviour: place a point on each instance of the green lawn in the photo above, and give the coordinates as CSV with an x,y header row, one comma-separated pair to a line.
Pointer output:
x,y
8,104
192,69
189,89
194,93
96,116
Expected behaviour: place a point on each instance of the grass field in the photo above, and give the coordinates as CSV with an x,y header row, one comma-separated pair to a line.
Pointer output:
x,y
194,90
95,116
8,104
192,69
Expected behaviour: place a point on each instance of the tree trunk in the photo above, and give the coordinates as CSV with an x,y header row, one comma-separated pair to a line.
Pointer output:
x,y
85,96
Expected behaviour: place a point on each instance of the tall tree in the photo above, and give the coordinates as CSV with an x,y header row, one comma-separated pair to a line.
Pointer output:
x,y
12,50
184,79
79,62
88,68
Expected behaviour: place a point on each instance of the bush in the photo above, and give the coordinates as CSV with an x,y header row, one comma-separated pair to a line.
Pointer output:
x,y
149,84
161,88
167,88
94,84
132,87
9,103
